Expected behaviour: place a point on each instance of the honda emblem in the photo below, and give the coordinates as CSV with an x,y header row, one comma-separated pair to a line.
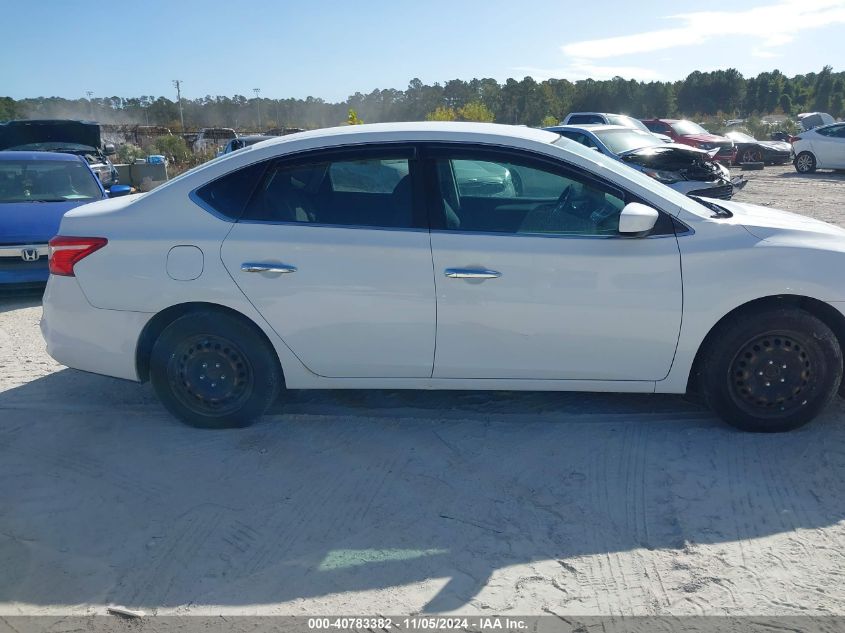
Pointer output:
x,y
30,254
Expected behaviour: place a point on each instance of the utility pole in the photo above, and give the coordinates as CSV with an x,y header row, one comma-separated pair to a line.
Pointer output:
x,y
90,94
258,102
178,84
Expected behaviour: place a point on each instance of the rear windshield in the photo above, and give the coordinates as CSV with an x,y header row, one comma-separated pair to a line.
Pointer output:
x,y
46,181
627,121
620,141
687,127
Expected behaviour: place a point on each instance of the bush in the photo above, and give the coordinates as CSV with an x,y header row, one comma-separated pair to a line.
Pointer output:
x,y
128,153
173,148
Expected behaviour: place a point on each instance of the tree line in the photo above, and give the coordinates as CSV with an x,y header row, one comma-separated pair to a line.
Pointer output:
x,y
528,102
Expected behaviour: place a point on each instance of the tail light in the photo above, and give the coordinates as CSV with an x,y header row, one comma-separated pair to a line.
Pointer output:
x,y
64,252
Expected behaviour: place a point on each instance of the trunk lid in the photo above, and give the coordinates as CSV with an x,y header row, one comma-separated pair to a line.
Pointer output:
x,y
17,133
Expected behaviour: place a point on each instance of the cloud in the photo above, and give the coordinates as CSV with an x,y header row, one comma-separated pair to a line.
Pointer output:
x,y
770,26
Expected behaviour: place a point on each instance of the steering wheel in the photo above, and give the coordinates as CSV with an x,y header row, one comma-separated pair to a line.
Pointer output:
x,y
562,202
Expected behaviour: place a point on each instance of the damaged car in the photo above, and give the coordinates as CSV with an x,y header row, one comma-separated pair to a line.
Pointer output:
x,y
750,150
692,134
686,169
81,138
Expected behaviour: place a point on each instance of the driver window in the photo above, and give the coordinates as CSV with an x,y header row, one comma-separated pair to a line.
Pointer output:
x,y
492,196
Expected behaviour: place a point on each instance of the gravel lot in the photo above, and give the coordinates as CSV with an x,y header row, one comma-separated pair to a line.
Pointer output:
x,y
400,502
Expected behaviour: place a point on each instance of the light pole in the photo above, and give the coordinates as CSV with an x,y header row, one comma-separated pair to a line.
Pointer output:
x,y
258,103
178,84
90,94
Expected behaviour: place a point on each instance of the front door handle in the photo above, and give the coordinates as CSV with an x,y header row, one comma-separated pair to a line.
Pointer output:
x,y
251,267
472,273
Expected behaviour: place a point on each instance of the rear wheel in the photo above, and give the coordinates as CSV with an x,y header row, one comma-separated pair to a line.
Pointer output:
x,y
805,163
751,155
773,371
213,370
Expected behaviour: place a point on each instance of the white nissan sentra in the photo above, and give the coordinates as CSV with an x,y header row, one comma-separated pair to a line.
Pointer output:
x,y
446,256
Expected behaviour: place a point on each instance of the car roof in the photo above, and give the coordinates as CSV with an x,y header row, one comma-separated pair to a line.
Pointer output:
x,y
27,155
435,129
594,127
662,120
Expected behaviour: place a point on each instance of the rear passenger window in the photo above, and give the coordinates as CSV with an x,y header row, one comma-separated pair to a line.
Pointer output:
x,y
584,118
373,192
229,194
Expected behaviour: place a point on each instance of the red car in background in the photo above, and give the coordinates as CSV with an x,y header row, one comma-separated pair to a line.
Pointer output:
x,y
689,133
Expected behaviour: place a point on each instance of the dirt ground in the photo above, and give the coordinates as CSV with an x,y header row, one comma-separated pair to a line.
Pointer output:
x,y
382,502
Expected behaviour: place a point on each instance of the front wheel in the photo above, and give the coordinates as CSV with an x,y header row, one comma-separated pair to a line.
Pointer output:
x,y
772,371
805,163
212,370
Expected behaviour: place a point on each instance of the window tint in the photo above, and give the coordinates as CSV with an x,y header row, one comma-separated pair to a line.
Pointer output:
x,y
229,194
833,130
372,192
515,197
368,176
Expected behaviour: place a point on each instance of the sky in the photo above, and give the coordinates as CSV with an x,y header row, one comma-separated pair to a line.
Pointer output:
x,y
331,49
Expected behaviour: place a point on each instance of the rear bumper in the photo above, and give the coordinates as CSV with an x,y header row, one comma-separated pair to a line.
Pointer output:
x,y
84,337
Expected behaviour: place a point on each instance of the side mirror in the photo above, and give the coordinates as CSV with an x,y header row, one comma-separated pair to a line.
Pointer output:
x,y
637,219
117,191
109,150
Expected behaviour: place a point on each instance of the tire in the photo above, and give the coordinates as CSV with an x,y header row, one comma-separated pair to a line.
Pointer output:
x,y
805,163
771,371
214,371
751,155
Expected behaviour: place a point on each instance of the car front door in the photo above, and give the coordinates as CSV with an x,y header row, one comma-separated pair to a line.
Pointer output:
x,y
333,250
537,283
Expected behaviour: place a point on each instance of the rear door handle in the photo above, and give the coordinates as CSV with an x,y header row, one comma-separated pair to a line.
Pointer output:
x,y
258,267
472,273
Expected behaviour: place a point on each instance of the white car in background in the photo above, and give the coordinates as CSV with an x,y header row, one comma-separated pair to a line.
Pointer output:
x,y
608,118
820,148
263,270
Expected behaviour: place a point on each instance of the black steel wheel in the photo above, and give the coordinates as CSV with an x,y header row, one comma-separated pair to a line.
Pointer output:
x,y
773,374
773,370
210,374
214,370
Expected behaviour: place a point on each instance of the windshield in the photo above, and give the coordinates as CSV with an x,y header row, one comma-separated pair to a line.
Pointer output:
x,y
739,136
46,181
627,121
53,146
687,127
621,141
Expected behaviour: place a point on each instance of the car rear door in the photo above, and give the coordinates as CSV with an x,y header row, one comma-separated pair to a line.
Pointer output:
x,y
333,250
535,282
829,146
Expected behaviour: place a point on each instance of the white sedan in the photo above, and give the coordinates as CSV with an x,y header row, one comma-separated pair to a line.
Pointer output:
x,y
820,148
446,256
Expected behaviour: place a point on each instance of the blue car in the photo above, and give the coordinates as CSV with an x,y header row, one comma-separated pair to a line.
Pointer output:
x,y
36,190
